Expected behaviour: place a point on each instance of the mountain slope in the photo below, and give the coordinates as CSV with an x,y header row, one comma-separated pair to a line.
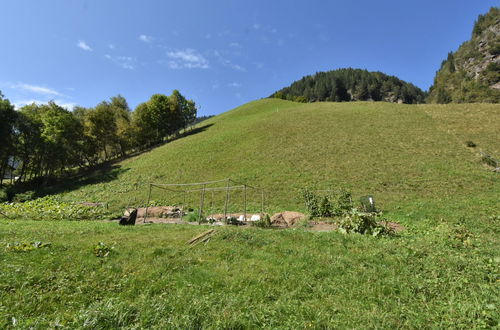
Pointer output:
x,y
472,73
410,157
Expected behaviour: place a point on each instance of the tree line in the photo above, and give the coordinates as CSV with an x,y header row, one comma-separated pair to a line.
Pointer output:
x,y
47,140
351,85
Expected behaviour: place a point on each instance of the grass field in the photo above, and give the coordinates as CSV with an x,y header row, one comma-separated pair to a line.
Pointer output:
x,y
242,278
443,271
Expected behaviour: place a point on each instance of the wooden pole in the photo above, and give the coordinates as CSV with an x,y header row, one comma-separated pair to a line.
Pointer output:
x,y
202,199
226,200
262,202
245,203
147,205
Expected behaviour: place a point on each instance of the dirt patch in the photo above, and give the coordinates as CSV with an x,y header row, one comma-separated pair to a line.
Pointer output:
x,y
287,219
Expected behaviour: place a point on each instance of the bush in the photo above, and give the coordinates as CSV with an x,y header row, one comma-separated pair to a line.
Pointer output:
x,y
263,223
488,160
470,144
333,203
24,197
53,208
4,196
364,223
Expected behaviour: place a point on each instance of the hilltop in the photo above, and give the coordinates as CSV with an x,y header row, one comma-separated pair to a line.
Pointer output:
x,y
351,85
472,73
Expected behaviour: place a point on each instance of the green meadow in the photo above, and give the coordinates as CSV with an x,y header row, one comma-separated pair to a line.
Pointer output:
x,y
443,271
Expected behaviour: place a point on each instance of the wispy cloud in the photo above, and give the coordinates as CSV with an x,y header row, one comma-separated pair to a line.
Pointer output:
x,y
83,45
111,46
126,62
226,62
186,59
36,89
145,38
234,85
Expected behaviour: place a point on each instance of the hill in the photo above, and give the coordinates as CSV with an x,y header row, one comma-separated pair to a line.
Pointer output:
x,y
472,73
351,85
417,161
409,156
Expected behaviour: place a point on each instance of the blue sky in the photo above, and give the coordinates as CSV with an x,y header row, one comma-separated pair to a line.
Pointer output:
x,y
221,54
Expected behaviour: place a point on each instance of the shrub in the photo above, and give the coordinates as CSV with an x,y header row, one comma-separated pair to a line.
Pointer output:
x,y
488,160
4,197
470,144
263,223
333,203
24,197
364,223
101,250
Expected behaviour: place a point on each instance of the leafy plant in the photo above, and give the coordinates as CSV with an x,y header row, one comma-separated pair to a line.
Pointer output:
x,y
263,223
364,223
53,208
311,202
101,250
470,144
333,203
26,246
24,197
489,160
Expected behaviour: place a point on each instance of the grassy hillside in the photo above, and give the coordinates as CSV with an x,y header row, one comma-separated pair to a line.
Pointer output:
x,y
443,271
412,158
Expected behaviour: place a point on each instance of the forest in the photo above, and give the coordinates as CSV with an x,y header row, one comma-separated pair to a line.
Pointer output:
x,y
351,85
47,140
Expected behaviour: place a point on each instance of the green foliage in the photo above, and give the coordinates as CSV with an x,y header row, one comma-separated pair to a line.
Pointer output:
x,y
53,208
364,223
489,160
24,197
43,142
350,85
26,246
485,21
470,144
102,250
265,222
457,80
331,203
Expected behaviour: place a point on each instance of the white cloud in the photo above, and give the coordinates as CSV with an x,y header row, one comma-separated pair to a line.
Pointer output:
x,y
235,45
224,61
145,38
111,46
37,89
126,62
65,104
234,84
186,59
83,45
256,26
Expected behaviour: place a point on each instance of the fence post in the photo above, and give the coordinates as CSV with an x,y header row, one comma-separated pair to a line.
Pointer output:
x,y
245,202
147,205
202,199
226,200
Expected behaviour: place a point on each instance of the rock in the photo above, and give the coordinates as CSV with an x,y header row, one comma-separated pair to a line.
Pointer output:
x,y
129,218
255,217
287,218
